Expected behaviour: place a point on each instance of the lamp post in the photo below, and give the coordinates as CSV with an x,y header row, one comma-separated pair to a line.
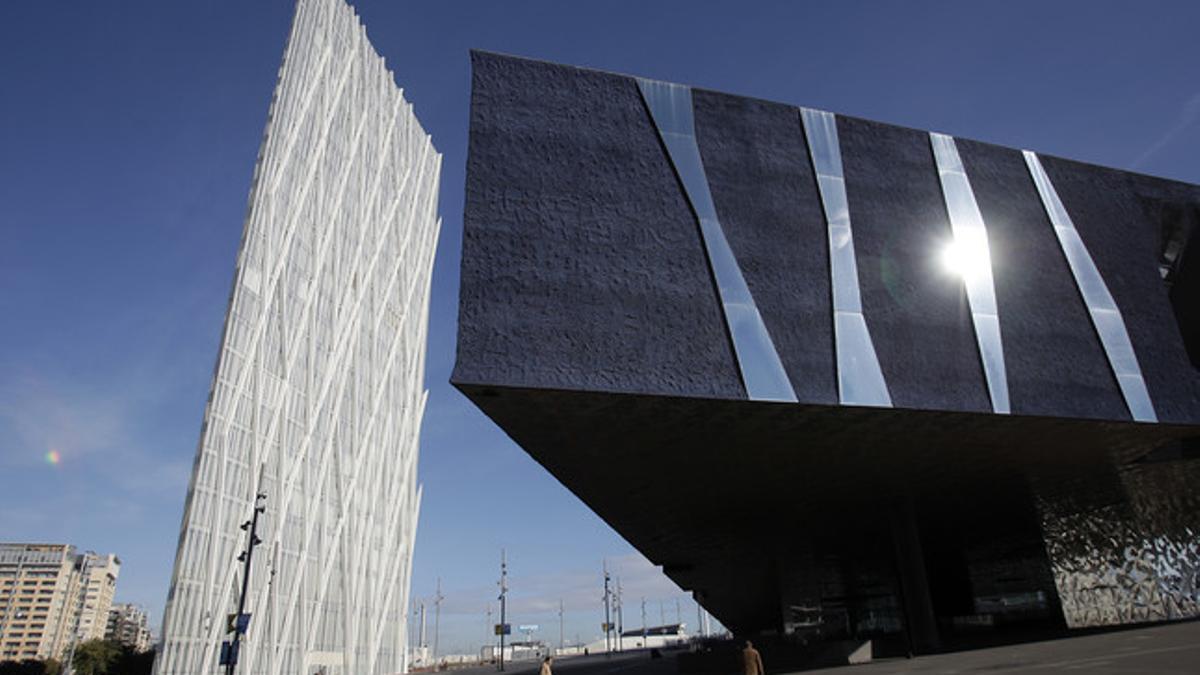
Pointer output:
x,y
645,638
503,592
607,617
240,624
84,573
437,618
620,620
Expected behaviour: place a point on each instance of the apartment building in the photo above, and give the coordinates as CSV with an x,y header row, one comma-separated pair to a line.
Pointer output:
x,y
48,593
128,624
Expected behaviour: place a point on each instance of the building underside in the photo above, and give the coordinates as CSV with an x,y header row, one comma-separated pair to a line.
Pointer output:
x,y
721,323
859,522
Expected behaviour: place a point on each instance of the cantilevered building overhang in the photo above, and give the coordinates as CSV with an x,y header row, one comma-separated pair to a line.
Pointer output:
x,y
318,394
831,372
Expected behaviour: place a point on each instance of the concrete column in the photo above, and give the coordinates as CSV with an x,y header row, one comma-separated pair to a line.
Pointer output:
x,y
920,623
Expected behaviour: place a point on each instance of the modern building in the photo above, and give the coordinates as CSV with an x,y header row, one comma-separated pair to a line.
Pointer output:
x,y
128,624
871,381
52,597
317,395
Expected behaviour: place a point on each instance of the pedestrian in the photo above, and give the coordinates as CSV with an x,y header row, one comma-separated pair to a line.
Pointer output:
x,y
751,660
546,666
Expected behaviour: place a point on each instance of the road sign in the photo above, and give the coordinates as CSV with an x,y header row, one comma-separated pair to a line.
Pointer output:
x,y
528,628
505,629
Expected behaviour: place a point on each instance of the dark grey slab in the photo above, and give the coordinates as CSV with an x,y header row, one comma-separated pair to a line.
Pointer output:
x,y
1125,246
582,265
918,314
766,198
1056,364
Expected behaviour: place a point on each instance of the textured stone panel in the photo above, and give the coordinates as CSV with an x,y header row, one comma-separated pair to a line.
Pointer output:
x,y
1125,247
766,197
1174,208
917,312
1055,363
582,262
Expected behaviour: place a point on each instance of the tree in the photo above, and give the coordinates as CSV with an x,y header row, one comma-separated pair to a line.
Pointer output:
x,y
96,657
30,667
133,662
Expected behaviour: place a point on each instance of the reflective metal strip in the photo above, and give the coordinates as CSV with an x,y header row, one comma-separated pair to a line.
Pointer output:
x,y
860,380
762,372
1106,316
970,238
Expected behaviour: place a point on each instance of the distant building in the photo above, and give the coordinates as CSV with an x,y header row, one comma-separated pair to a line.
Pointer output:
x,y
521,650
100,585
650,637
48,593
127,624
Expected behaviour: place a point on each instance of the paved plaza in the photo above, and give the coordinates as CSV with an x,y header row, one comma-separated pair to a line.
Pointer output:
x,y
1171,649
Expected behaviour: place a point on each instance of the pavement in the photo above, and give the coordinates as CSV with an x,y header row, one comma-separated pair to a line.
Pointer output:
x,y
1167,649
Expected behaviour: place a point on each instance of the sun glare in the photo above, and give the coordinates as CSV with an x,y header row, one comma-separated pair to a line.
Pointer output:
x,y
53,457
965,258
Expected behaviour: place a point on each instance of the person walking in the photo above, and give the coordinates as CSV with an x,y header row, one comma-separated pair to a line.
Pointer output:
x,y
751,660
545,670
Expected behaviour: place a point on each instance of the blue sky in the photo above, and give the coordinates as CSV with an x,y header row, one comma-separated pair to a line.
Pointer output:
x,y
128,133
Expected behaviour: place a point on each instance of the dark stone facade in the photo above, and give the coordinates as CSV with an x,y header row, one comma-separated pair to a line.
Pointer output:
x,y
592,331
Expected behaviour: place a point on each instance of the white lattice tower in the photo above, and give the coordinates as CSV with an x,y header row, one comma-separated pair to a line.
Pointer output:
x,y
318,392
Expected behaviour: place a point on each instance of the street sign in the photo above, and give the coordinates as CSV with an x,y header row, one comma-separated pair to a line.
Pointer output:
x,y
237,623
528,628
229,654
505,629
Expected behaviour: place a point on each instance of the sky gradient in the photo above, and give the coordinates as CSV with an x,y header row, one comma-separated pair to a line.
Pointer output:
x,y
128,134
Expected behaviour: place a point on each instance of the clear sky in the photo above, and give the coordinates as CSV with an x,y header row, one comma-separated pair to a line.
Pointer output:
x,y
128,133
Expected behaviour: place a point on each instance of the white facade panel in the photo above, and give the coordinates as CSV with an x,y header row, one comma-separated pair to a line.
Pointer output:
x,y
318,394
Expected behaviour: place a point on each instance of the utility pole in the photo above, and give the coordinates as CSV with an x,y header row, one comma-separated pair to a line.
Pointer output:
x,y
424,636
241,620
503,592
662,614
607,617
491,633
645,640
417,638
437,617
678,617
561,644
699,619
620,620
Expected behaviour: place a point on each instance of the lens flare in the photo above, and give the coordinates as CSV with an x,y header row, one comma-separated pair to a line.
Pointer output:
x,y
966,257
53,458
